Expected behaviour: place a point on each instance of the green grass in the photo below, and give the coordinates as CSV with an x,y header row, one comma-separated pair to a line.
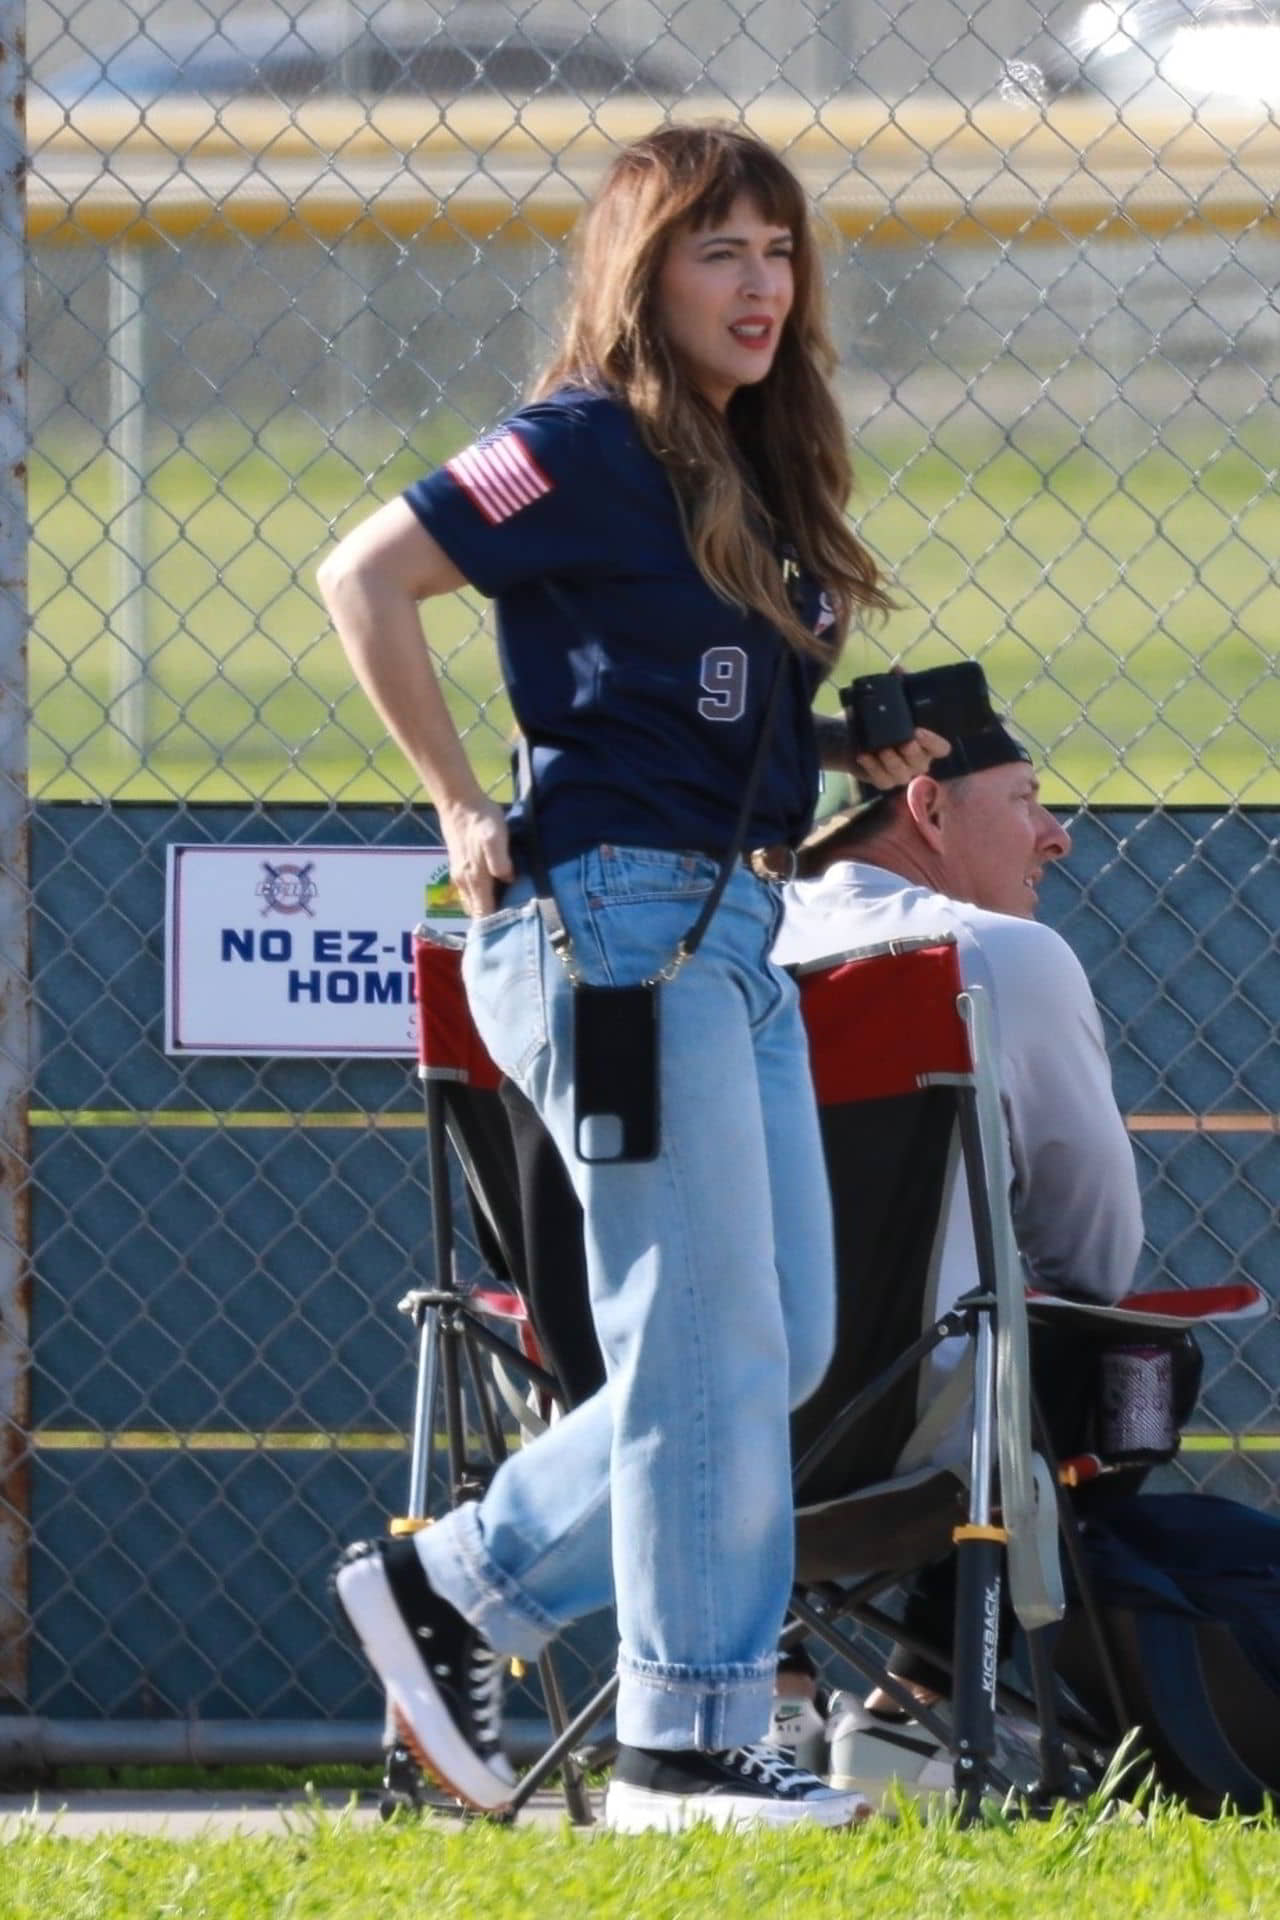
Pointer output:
x,y
1126,609
1171,1868
249,695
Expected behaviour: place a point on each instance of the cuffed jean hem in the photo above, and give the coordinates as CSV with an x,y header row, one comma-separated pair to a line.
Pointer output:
x,y
675,1708
456,1563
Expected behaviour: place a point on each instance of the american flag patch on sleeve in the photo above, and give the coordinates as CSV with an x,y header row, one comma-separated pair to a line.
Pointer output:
x,y
499,475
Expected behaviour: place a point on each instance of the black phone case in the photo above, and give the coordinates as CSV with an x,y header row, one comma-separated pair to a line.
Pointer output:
x,y
615,1073
878,712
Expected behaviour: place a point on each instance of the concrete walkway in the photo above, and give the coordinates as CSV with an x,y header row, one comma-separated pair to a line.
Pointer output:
x,y
83,1813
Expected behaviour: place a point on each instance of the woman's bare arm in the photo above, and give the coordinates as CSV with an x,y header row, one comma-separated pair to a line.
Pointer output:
x,y
372,584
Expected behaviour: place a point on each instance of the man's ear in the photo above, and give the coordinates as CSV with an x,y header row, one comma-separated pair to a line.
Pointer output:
x,y
925,803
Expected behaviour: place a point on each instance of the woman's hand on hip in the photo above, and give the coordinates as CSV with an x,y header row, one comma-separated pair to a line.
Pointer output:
x,y
475,835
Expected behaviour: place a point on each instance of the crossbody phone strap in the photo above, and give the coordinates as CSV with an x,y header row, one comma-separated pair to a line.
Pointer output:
x,y
688,944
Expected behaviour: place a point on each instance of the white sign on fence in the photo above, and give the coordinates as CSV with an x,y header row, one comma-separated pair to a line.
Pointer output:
x,y
289,950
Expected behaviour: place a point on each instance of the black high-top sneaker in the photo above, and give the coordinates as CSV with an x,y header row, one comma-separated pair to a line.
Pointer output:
x,y
444,1681
653,1791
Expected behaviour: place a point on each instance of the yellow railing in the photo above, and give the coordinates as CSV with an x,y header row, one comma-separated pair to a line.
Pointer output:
x,y
892,176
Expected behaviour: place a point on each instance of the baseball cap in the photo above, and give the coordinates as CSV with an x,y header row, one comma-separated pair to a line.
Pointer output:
x,y
954,701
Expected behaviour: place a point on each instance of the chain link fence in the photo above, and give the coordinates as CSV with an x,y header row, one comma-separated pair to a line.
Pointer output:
x,y
281,260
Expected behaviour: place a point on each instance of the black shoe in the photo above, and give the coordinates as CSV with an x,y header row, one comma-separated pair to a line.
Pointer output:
x,y
444,1682
741,1787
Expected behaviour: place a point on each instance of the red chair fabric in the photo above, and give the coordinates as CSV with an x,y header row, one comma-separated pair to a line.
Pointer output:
x,y
449,1048
884,1023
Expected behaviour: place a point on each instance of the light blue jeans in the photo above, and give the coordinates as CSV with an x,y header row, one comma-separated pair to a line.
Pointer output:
x,y
712,1289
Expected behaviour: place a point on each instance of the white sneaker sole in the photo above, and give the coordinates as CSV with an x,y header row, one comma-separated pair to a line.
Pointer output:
x,y
930,1788
426,1726
629,1809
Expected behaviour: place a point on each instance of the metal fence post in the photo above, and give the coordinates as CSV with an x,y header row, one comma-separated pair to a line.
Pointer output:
x,y
14,920
126,441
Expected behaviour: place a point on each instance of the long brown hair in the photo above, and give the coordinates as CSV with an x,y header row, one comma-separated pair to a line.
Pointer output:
x,y
775,467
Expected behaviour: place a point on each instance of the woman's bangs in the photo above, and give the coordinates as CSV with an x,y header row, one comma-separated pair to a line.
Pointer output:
x,y
753,173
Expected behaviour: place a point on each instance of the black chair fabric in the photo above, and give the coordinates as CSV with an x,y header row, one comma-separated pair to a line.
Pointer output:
x,y
887,1160
555,1274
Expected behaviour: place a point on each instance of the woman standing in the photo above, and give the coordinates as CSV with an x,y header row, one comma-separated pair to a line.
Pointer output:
x,y
663,530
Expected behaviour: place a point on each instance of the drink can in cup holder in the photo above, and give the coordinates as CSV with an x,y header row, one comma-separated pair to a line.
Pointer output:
x,y
1135,1404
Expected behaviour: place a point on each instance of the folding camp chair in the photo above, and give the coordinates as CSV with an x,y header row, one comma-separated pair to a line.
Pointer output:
x,y
909,1105
480,1338
889,1037
909,1102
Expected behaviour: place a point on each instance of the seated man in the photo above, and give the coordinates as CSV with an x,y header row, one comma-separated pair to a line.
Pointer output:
x,y
962,850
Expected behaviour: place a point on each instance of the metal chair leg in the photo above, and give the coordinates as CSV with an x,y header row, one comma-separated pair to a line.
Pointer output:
x,y
572,1779
979,1560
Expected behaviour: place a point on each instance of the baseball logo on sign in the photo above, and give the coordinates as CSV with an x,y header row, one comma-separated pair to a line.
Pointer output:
x,y
286,889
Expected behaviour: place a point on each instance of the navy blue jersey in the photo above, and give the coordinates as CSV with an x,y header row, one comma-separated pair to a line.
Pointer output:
x,y
640,691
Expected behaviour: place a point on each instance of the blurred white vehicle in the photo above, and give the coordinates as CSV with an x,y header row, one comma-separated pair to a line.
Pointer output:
x,y
1166,54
